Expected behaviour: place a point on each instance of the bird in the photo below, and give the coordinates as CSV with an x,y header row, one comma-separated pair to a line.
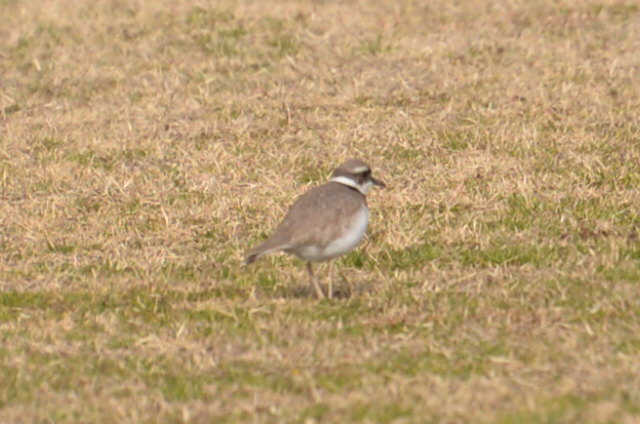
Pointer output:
x,y
325,222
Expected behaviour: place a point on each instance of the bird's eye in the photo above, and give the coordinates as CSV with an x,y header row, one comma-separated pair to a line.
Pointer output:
x,y
367,173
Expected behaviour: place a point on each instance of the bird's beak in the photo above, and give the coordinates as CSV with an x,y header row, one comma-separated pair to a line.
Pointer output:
x,y
378,182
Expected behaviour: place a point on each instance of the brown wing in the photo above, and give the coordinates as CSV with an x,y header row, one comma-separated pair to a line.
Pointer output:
x,y
312,219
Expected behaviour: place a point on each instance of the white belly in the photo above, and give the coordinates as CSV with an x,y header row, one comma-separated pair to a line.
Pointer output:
x,y
340,246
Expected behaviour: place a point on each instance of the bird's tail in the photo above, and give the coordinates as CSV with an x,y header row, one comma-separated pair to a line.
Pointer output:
x,y
261,250
251,257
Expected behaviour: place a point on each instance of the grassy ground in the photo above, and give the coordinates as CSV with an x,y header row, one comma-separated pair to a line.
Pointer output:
x,y
144,146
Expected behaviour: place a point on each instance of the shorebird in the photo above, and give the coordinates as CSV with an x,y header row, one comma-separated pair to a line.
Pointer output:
x,y
325,222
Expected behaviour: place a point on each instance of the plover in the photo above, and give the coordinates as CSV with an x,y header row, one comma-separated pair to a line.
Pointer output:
x,y
325,222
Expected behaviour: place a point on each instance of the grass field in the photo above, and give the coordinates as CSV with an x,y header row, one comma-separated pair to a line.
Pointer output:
x,y
145,146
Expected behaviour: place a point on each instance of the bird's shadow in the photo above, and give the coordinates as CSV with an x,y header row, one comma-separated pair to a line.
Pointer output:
x,y
341,291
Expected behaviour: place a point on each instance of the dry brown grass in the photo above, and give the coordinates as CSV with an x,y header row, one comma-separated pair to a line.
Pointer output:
x,y
144,146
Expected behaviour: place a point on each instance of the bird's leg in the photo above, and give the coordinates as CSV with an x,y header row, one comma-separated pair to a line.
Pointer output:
x,y
348,283
314,281
330,293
